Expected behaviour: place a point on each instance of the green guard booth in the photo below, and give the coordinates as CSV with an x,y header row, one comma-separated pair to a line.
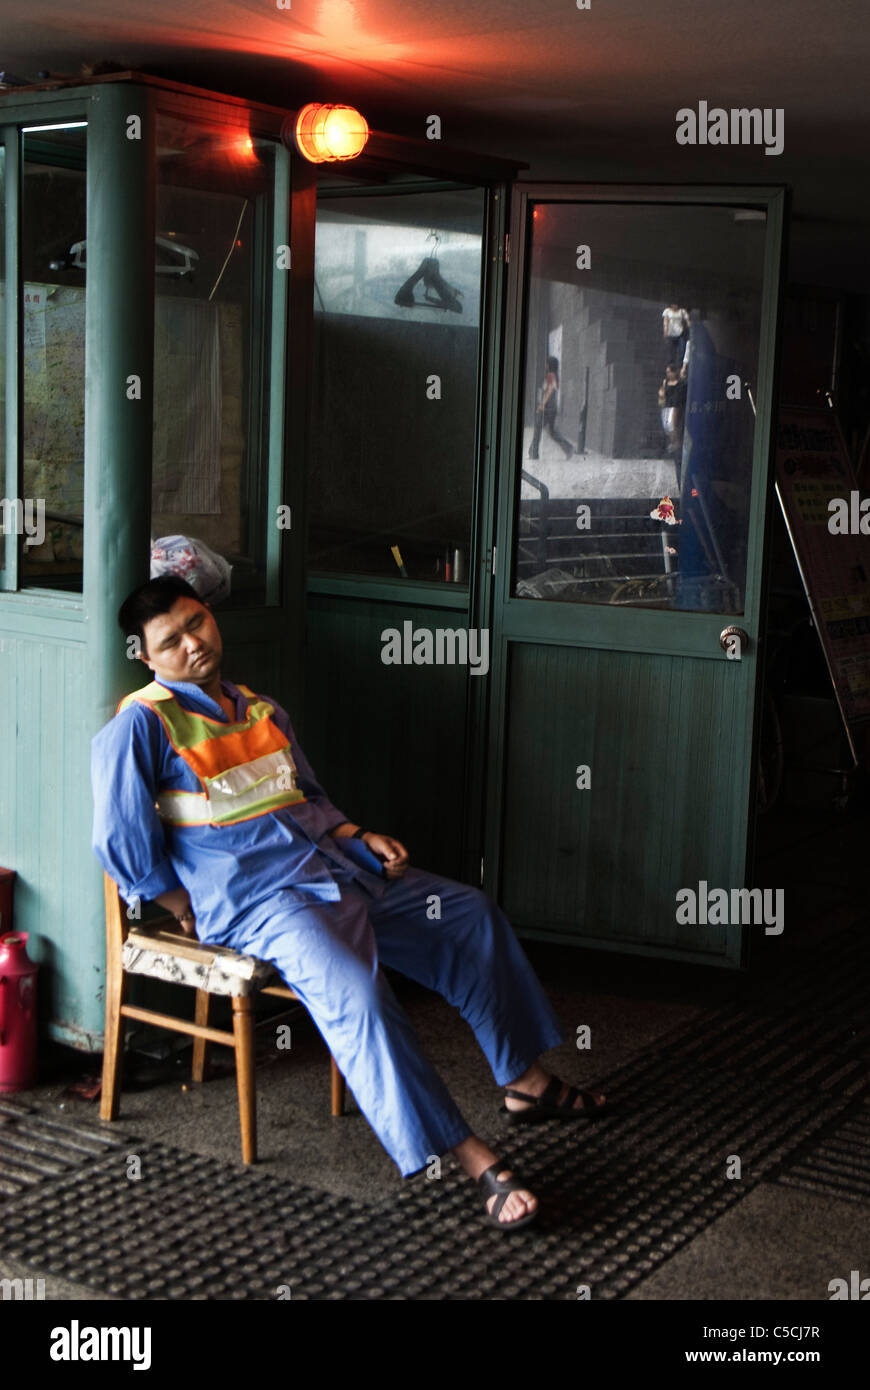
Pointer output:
x,y
339,380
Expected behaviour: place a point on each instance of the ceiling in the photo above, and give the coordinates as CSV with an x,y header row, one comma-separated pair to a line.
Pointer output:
x,y
586,95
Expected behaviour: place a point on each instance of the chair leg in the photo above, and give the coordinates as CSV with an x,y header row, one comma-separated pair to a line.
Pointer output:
x,y
243,1028
338,1087
113,1044
201,1046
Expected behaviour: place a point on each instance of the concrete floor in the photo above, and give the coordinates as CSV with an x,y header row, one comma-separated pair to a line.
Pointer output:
x,y
595,475
776,1243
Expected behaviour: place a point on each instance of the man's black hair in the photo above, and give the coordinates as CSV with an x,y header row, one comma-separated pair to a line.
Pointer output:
x,y
149,601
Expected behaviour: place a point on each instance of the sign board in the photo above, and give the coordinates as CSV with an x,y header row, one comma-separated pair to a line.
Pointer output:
x,y
823,513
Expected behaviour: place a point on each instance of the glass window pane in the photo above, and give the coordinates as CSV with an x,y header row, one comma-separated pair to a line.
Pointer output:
x,y
397,325
211,344
53,255
642,334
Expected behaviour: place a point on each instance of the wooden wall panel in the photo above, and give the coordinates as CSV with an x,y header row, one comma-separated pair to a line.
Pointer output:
x,y
45,826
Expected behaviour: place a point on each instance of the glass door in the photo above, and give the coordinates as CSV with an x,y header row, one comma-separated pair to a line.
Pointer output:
x,y
403,343
641,329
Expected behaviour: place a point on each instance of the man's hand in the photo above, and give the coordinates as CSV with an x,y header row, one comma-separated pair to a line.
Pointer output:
x,y
177,901
391,851
188,926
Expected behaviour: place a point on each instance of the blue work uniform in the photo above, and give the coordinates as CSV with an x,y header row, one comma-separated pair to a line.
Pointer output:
x,y
282,888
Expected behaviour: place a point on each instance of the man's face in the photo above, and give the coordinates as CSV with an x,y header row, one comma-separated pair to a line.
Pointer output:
x,y
183,644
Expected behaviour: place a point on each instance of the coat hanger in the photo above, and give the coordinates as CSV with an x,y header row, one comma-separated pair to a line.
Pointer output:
x,y
183,267
437,293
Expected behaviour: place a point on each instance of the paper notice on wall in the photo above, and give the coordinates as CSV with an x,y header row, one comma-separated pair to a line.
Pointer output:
x,y
34,304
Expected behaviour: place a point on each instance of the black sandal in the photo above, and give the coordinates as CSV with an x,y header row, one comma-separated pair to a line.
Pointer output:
x,y
491,1185
547,1107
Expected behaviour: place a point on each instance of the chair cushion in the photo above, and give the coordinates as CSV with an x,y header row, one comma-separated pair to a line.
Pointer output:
x,y
166,955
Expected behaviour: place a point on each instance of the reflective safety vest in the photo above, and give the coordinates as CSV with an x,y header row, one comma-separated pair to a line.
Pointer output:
x,y
245,770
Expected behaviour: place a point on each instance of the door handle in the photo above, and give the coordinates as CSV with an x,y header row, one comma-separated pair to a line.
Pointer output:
x,y
727,637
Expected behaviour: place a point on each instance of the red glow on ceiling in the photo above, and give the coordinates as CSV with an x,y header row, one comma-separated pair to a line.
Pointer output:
x,y
244,147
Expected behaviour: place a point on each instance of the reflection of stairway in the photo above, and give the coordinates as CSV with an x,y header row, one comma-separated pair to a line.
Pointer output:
x,y
620,417
622,544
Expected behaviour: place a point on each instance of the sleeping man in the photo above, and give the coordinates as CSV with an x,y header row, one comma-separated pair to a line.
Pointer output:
x,y
205,803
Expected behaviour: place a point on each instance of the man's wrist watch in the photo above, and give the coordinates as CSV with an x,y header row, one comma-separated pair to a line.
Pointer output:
x,y
358,834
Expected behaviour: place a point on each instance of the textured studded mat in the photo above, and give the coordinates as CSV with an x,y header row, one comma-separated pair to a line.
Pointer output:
x,y
187,1227
35,1146
760,1090
836,1163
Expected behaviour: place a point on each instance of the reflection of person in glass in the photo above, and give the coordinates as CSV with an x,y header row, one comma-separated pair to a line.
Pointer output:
x,y
707,538
672,402
675,331
547,410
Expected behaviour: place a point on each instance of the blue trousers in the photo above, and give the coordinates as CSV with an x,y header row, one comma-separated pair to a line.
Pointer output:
x,y
447,936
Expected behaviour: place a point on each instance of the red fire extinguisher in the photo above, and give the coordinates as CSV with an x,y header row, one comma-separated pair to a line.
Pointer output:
x,y
17,1013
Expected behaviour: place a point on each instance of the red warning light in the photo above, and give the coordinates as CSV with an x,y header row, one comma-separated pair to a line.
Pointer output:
x,y
326,133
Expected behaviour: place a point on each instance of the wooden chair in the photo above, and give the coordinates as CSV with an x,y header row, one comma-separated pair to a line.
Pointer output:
x,y
160,950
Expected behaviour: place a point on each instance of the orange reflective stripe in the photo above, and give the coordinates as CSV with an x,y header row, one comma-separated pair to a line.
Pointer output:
x,y
215,755
213,750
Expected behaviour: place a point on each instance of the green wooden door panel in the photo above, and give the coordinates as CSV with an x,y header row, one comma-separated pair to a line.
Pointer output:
x,y
387,742
606,860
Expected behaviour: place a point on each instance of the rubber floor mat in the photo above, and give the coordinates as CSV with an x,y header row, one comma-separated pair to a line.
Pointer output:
x,y
36,1146
837,1163
697,1121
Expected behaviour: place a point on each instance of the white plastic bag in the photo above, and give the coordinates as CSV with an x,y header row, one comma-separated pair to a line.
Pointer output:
x,y
191,559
